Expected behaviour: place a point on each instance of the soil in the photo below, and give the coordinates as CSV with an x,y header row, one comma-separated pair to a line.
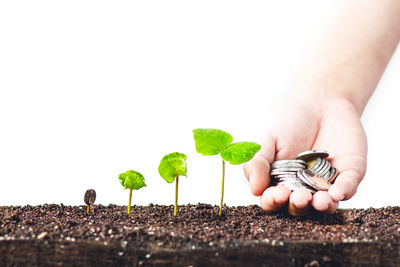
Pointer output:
x,y
153,229
199,223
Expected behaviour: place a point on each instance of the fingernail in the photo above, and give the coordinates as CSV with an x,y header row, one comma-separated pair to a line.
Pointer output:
x,y
251,178
335,195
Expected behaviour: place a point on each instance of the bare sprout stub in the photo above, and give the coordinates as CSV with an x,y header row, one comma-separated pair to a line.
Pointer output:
x,y
89,198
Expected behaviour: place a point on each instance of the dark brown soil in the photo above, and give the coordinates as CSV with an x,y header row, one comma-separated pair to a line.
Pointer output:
x,y
199,223
247,235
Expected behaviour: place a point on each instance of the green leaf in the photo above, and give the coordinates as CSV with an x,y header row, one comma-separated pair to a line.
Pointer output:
x,y
132,180
211,141
240,152
172,165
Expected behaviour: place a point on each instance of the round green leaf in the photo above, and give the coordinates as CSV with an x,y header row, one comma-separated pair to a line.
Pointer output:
x,y
240,152
132,180
211,141
172,165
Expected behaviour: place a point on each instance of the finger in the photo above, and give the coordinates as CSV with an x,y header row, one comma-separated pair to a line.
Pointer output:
x,y
345,185
323,202
258,175
352,171
299,202
274,198
333,207
257,170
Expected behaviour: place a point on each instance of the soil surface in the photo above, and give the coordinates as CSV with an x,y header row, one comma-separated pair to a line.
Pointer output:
x,y
194,223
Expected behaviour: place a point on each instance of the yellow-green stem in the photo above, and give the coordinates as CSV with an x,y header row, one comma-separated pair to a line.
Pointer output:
x,y
88,209
130,199
222,189
176,195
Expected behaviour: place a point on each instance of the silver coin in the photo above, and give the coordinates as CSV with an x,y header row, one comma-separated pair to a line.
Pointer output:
x,y
289,181
312,154
284,161
288,165
292,181
320,166
325,170
291,168
283,175
312,190
332,175
323,167
310,163
277,171
317,164
314,180
305,179
328,174
286,176
288,170
309,188
294,187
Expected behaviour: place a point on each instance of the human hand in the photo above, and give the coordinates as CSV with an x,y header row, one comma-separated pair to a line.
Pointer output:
x,y
331,124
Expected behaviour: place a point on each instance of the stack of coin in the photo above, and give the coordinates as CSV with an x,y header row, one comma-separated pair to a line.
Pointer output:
x,y
285,172
310,170
316,162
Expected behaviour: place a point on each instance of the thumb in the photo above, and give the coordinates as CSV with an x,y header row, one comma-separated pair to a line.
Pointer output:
x,y
257,169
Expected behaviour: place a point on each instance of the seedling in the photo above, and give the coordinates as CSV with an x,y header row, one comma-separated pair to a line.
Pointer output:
x,y
211,142
89,198
171,167
132,180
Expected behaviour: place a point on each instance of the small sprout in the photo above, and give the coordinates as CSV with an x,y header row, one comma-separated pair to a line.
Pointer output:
x,y
211,142
133,181
171,167
89,198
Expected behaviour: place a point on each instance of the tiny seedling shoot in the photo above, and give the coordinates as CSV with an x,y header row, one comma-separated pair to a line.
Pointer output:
x,y
211,142
132,180
171,167
89,198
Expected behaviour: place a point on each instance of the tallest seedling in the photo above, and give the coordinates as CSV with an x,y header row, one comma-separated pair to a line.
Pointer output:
x,y
211,142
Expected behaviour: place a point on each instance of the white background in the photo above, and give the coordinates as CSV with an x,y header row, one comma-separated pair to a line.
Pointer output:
x,y
91,89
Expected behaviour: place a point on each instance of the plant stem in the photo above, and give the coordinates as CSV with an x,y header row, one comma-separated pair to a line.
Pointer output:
x,y
88,209
176,196
222,189
130,199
